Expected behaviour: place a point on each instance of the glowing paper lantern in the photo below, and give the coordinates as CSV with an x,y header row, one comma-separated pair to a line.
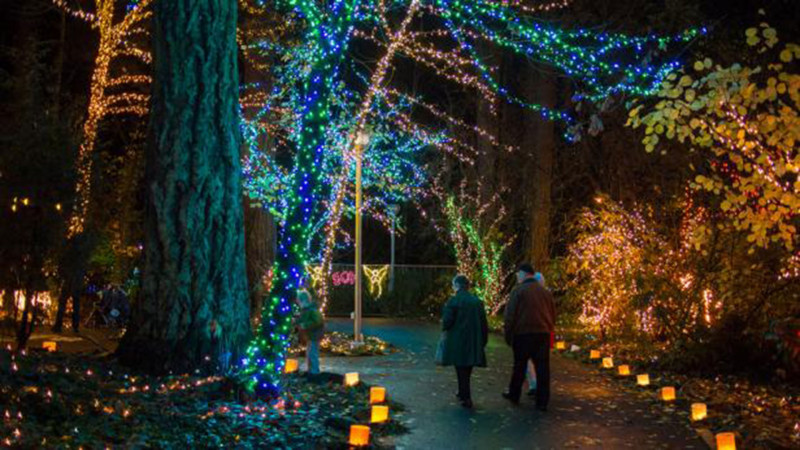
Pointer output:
x,y
643,379
726,441
624,370
359,435
291,365
594,354
351,379
50,346
380,413
608,363
377,394
698,411
561,345
668,393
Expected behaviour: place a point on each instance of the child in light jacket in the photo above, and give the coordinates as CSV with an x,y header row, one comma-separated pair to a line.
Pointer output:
x,y
311,324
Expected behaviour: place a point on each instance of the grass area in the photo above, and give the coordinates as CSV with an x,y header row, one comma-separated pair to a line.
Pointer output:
x,y
57,400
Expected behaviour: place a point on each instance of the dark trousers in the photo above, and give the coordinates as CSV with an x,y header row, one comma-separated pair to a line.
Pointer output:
x,y
535,346
463,373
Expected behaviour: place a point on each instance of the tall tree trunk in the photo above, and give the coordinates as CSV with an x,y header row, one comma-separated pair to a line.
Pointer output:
x,y
259,225
25,326
267,352
539,141
259,236
72,271
193,302
61,308
487,119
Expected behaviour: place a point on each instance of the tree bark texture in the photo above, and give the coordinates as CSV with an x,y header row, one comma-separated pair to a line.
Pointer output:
x,y
193,306
539,142
259,237
259,225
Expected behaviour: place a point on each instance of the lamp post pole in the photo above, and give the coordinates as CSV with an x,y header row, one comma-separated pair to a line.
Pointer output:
x,y
357,319
393,210
362,140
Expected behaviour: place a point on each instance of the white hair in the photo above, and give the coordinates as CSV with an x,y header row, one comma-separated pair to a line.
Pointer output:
x,y
303,296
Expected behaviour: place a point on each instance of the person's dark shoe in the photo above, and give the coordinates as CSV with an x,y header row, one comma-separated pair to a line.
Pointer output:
x,y
509,397
532,392
466,403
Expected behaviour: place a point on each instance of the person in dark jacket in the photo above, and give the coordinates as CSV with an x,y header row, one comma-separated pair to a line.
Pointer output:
x,y
464,337
529,320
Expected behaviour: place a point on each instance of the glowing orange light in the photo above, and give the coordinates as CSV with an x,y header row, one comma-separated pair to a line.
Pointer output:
x,y
726,441
351,379
624,370
668,393
608,363
380,413
643,379
291,365
377,394
50,346
699,411
359,435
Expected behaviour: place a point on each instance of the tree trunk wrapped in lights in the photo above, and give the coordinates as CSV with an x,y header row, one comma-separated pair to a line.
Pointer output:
x,y
539,144
116,41
193,308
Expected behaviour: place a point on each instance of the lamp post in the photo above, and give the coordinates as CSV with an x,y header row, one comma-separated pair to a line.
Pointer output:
x,y
362,140
393,210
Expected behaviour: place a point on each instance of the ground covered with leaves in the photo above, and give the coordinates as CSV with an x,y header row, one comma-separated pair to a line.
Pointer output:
x,y
335,343
762,415
55,400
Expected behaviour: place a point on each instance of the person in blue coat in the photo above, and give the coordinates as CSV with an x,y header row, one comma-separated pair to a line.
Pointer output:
x,y
464,337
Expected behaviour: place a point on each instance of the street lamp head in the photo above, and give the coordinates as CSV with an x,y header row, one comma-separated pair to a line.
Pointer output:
x,y
363,137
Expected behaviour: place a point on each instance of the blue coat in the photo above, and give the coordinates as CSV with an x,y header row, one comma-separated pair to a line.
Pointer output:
x,y
465,331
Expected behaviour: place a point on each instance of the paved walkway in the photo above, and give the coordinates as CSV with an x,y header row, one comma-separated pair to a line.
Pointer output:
x,y
587,410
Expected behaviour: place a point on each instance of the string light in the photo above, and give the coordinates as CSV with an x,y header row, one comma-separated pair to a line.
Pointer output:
x,y
40,300
611,268
474,236
376,277
318,99
115,42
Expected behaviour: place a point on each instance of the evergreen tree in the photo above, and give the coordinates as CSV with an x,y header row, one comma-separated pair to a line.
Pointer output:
x,y
193,305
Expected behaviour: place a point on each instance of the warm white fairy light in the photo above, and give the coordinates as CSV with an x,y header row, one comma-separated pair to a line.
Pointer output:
x,y
114,35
